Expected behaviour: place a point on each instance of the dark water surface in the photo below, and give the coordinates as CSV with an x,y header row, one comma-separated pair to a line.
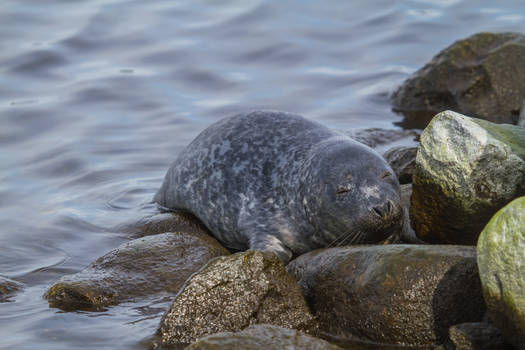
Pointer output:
x,y
97,97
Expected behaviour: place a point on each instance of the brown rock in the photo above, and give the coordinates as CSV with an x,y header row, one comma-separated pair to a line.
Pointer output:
x,y
231,293
265,337
394,294
144,266
481,76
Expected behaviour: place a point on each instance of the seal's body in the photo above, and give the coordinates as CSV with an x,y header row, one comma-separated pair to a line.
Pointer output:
x,y
277,181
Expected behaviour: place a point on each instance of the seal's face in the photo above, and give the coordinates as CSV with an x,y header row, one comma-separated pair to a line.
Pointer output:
x,y
355,197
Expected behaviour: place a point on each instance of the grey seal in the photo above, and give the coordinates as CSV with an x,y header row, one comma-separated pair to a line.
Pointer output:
x,y
275,181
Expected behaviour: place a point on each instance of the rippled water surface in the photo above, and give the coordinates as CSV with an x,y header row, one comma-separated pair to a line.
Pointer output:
x,y
97,97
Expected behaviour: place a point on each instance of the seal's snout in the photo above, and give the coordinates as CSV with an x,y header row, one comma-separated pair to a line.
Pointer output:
x,y
384,210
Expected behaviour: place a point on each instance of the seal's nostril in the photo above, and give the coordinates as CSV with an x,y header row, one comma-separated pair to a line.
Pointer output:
x,y
384,210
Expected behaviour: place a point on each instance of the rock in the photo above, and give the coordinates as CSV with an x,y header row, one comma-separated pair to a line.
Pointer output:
x,y
407,235
402,160
261,336
476,336
384,138
8,287
144,266
163,222
392,294
481,76
466,169
231,293
501,253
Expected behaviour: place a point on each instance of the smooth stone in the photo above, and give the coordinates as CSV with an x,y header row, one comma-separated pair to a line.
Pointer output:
x,y
232,292
141,267
383,139
481,76
477,336
163,222
403,161
466,170
8,288
262,336
501,253
407,295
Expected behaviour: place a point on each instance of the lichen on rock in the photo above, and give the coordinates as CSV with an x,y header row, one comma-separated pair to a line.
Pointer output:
x,y
466,169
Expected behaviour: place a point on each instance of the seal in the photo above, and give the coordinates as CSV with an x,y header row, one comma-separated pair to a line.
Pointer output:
x,y
275,181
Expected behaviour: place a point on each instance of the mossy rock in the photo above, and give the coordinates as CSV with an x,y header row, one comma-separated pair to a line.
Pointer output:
x,y
466,170
481,76
501,255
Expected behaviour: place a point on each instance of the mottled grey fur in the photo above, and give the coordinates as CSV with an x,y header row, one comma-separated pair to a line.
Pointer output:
x,y
276,181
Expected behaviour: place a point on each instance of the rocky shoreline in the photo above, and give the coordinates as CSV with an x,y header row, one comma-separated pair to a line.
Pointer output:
x,y
455,282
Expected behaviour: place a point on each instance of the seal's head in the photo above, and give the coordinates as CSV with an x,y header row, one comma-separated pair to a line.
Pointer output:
x,y
350,194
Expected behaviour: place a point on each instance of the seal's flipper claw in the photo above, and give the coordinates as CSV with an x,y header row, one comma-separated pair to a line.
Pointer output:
x,y
270,243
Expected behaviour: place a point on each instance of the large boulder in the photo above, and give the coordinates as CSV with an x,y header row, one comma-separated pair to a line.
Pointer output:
x,y
501,254
265,337
393,294
144,266
8,288
230,293
466,169
481,76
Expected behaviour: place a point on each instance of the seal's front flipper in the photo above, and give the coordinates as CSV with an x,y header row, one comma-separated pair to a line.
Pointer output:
x,y
270,243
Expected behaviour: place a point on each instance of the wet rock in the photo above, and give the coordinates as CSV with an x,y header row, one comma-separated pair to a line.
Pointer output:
x,y
481,76
8,288
144,266
265,336
163,222
231,293
501,253
476,336
392,294
466,169
402,160
382,139
407,235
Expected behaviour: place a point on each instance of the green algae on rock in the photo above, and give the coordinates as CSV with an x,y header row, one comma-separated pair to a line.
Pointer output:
x,y
481,76
7,288
394,294
262,336
501,254
232,292
466,169
144,266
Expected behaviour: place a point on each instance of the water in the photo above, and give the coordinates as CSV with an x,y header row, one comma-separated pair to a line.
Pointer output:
x,y
96,98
